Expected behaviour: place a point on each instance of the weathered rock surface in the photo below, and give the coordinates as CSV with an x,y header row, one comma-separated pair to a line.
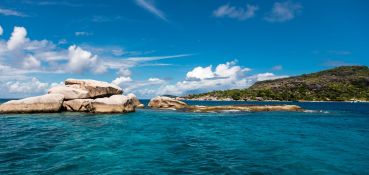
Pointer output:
x,y
94,88
78,105
250,108
166,102
43,103
113,104
135,100
69,92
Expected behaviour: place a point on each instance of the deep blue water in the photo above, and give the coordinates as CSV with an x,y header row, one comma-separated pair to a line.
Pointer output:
x,y
332,140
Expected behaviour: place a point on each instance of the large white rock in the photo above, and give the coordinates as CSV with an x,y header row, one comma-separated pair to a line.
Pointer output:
x,y
78,105
43,103
166,102
113,104
135,100
69,92
94,88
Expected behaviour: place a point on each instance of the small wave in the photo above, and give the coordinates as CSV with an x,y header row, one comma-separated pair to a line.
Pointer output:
x,y
316,111
229,111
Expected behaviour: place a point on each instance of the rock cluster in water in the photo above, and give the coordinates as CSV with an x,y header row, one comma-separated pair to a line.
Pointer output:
x,y
76,96
170,103
101,97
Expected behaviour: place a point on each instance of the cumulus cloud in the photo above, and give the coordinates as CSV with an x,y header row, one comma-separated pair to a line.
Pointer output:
x,y
200,73
79,59
143,89
31,62
239,13
18,38
225,76
1,30
150,7
24,88
121,80
283,11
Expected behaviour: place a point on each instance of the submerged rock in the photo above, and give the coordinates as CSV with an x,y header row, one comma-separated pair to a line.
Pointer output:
x,y
135,100
166,102
250,108
78,105
113,104
43,103
69,92
94,88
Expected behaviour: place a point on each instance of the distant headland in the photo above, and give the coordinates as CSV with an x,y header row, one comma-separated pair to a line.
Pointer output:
x,y
345,83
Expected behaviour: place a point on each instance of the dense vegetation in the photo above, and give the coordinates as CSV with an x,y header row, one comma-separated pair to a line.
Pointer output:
x,y
338,84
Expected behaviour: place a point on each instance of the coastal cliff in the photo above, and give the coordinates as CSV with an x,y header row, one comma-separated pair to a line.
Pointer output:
x,y
345,83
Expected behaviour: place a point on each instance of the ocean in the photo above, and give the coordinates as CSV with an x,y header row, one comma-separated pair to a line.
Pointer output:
x,y
329,138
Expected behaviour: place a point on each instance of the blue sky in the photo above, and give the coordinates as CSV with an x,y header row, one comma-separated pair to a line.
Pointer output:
x,y
154,47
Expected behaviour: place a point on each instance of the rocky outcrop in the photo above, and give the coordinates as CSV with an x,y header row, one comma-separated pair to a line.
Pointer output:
x,y
170,103
113,104
76,96
44,103
78,105
248,108
135,100
166,102
95,89
69,92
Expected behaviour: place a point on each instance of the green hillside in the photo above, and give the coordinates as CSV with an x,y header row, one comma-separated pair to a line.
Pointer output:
x,y
338,84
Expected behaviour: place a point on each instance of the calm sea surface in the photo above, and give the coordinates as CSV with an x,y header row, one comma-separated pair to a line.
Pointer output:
x,y
331,139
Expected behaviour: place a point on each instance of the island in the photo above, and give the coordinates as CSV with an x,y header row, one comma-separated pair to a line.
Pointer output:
x,y
345,83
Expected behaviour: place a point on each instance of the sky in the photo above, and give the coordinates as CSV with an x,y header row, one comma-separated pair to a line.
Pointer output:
x,y
156,47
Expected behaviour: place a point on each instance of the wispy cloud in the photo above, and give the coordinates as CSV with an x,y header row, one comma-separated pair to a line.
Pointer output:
x,y
236,12
283,11
83,33
149,6
52,3
337,63
277,67
153,58
10,12
339,52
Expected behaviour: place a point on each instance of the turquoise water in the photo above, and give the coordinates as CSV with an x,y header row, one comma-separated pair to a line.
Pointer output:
x,y
332,140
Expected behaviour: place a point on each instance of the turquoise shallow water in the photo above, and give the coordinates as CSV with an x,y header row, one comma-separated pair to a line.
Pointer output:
x,y
333,140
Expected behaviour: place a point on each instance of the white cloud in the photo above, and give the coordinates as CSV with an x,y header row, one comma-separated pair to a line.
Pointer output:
x,y
117,52
125,72
283,11
31,62
277,67
9,12
266,76
225,76
120,80
83,33
1,30
24,88
149,6
157,80
79,59
18,38
21,56
236,12
200,73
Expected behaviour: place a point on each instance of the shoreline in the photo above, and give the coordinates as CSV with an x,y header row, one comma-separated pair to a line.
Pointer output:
x,y
276,101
